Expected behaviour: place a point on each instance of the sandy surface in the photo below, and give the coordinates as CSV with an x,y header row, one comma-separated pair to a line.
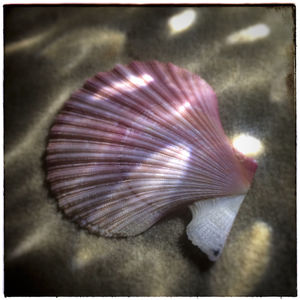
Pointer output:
x,y
51,51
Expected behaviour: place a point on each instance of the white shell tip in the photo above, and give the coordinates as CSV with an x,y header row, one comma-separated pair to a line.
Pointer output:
x,y
211,223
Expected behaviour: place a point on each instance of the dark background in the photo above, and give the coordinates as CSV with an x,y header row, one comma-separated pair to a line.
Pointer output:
x,y
50,52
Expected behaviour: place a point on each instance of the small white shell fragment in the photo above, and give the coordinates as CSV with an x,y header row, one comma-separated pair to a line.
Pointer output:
x,y
212,222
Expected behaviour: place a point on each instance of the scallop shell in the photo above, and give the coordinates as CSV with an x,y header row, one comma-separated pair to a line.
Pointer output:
x,y
140,141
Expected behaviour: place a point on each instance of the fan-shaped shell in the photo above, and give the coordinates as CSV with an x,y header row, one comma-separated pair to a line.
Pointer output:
x,y
138,142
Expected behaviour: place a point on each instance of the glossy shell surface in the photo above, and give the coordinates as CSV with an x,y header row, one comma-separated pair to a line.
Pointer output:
x,y
137,142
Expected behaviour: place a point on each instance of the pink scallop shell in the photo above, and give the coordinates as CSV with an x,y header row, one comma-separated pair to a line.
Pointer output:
x,y
136,143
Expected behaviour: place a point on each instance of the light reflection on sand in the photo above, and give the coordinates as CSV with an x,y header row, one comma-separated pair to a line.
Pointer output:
x,y
244,261
247,144
27,42
26,144
69,51
249,34
182,21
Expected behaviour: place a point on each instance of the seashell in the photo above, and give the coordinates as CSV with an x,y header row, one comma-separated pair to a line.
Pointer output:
x,y
140,141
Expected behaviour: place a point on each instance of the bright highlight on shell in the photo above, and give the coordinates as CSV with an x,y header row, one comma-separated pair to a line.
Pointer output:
x,y
247,144
140,81
182,108
249,34
140,141
182,21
